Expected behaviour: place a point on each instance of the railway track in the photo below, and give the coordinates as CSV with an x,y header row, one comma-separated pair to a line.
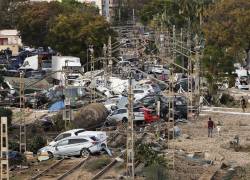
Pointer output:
x,y
60,169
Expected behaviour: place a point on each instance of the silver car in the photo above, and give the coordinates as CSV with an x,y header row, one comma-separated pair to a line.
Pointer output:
x,y
73,146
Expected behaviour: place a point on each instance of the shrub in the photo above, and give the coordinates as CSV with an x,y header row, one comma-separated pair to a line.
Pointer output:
x,y
227,100
13,145
148,156
36,143
59,124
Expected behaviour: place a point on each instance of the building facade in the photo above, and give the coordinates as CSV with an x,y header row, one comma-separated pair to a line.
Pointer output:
x,y
9,38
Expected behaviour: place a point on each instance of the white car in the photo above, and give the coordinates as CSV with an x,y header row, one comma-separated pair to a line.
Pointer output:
x,y
241,83
100,135
122,115
111,102
72,146
159,69
140,93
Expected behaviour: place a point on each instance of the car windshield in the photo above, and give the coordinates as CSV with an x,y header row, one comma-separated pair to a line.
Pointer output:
x,y
138,91
61,136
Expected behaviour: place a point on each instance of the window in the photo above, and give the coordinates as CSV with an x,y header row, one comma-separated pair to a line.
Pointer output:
x,y
94,138
80,131
121,111
76,141
62,136
63,143
138,91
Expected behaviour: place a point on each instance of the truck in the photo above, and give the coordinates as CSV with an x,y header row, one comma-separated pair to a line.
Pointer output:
x,y
60,62
36,63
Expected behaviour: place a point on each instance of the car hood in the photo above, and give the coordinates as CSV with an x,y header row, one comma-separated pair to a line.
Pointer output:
x,y
52,143
46,149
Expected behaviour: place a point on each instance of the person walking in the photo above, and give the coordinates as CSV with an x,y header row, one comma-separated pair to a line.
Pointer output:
x,y
243,104
210,126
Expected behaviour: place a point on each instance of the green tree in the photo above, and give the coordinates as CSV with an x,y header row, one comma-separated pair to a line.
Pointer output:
x,y
72,34
216,65
227,25
36,143
34,30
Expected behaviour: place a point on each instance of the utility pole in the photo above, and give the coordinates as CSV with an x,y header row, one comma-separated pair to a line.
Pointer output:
x,y
4,149
92,68
105,65
134,16
110,61
22,143
67,114
130,131
190,77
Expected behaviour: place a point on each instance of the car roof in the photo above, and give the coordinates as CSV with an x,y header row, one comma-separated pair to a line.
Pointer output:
x,y
72,131
75,137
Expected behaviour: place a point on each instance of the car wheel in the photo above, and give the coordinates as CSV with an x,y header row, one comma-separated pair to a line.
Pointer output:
x,y
84,153
50,155
124,120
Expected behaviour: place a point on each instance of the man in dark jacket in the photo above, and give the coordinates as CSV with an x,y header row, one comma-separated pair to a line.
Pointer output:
x,y
210,126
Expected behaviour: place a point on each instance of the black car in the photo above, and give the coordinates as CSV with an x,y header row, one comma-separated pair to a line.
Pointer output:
x,y
180,105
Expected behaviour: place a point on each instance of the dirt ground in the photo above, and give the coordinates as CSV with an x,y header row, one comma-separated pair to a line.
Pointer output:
x,y
194,139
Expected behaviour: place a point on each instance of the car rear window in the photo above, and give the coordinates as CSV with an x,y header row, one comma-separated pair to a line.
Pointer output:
x,y
76,141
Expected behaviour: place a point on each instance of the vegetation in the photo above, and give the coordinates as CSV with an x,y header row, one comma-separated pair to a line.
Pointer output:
x,y
155,164
148,156
36,143
68,27
59,124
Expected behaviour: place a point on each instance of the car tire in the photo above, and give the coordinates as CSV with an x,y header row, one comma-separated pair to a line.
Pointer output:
x,y
51,155
84,153
124,120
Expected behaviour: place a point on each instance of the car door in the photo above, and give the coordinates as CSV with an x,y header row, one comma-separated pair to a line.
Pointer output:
x,y
122,113
61,148
76,145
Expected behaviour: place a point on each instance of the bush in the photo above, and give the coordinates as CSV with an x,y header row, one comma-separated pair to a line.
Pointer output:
x,y
227,100
148,156
13,145
59,124
5,112
36,143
